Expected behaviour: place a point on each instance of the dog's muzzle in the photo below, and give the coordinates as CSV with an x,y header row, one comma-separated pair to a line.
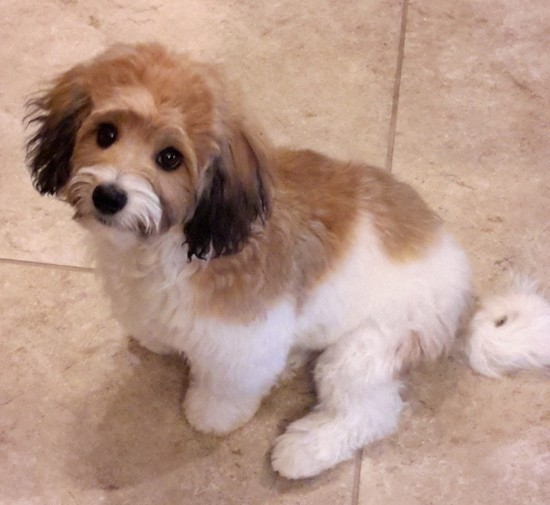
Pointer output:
x,y
109,199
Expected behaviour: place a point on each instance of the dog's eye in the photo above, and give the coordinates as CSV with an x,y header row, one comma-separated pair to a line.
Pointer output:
x,y
169,159
106,135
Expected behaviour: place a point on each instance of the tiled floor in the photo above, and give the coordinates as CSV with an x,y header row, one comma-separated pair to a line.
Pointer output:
x,y
451,96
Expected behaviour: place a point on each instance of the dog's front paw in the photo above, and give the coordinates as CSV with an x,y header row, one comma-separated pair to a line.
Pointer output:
x,y
294,458
310,446
210,414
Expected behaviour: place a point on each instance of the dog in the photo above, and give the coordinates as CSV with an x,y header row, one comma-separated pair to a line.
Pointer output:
x,y
213,243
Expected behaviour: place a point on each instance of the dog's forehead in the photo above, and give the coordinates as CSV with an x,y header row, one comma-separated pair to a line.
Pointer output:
x,y
156,97
136,98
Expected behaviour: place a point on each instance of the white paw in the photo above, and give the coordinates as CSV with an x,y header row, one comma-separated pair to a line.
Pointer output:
x,y
210,414
310,446
326,437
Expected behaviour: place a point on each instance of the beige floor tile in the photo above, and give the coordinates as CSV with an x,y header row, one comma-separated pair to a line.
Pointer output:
x,y
86,418
288,56
473,126
464,440
472,136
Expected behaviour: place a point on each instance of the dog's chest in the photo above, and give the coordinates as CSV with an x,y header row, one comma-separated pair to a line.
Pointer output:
x,y
149,289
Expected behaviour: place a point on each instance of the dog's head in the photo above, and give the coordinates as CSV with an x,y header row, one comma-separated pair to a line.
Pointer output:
x,y
140,140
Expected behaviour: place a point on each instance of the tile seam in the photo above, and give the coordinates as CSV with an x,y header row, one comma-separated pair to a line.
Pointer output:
x,y
397,86
55,266
357,478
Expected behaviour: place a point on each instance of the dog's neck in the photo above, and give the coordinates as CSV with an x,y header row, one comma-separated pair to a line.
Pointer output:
x,y
115,249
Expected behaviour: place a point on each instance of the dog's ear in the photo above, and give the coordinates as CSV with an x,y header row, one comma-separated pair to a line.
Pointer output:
x,y
234,194
57,114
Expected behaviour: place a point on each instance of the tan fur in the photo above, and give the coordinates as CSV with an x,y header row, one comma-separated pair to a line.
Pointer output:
x,y
317,202
160,99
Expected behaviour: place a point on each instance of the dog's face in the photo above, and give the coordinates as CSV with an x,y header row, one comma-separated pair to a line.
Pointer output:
x,y
140,140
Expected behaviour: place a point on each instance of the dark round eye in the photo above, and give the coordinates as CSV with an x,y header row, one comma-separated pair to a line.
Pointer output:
x,y
169,159
106,135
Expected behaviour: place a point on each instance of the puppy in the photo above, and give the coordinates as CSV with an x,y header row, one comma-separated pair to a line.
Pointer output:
x,y
213,243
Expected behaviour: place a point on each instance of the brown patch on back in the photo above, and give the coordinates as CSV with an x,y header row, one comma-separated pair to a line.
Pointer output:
x,y
406,225
317,203
322,199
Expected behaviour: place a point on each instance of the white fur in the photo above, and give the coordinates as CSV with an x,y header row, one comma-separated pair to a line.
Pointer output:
x,y
511,332
359,316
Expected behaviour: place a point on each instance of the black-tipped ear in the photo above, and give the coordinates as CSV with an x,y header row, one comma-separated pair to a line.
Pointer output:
x,y
235,196
58,116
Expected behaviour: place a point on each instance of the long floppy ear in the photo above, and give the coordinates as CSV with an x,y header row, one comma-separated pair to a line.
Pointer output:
x,y
235,194
58,114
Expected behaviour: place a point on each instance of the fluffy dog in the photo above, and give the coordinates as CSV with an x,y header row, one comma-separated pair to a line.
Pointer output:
x,y
213,243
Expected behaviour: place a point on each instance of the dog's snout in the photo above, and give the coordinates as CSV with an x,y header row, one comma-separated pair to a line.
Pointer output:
x,y
109,199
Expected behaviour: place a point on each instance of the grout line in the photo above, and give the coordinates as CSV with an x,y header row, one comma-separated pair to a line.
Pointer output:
x,y
55,266
397,86
357,478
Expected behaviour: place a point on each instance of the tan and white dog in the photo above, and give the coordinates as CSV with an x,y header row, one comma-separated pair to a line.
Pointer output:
x,y
213,243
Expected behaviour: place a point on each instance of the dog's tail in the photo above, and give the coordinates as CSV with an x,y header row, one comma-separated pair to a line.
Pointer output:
x,y
510,331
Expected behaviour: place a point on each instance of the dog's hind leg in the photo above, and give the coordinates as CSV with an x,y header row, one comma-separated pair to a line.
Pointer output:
x,y
359,403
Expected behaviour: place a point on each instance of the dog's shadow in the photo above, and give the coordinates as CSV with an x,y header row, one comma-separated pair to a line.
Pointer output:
x,y
129,430
132,429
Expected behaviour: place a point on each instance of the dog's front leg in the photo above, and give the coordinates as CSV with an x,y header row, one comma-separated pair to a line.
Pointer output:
x,y
224,398
229,381
219,413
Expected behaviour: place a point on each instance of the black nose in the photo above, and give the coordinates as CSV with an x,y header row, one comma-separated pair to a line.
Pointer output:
x,y
109,199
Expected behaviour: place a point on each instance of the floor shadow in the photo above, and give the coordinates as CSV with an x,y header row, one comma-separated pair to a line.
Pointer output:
x,y
132,431
132,428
